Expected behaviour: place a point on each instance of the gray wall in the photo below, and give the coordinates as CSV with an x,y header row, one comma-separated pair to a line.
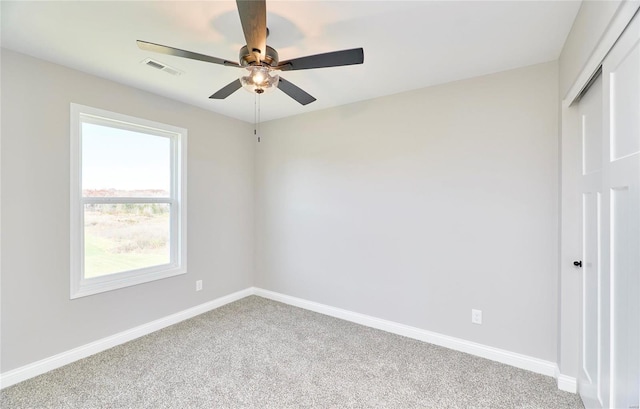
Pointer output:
x,y
420,206
38,319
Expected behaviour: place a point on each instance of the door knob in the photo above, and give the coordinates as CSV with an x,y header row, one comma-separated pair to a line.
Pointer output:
x,y
578,263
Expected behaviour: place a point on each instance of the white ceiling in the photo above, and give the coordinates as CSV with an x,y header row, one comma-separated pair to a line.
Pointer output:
x,y
407,45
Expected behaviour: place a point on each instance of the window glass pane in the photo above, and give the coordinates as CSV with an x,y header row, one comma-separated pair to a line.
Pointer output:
x,y
125,236
121,163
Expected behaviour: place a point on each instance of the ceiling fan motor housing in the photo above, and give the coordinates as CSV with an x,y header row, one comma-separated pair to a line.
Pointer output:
x,y
270,57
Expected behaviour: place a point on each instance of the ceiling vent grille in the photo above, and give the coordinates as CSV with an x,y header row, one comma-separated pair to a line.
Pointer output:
x,y
161,66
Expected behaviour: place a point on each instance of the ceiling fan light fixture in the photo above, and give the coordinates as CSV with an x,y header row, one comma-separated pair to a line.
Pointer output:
x,y
259,79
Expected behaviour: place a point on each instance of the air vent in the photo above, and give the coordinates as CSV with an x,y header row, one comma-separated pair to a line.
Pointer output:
x,y
155,64
162,67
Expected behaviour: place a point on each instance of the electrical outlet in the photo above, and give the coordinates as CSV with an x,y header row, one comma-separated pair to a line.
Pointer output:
x,y
198,285
476,316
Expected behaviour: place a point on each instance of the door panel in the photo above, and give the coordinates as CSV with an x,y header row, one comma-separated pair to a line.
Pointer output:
x,y
592,131
591,352
591,265
622,181
625,266
609,373
625,103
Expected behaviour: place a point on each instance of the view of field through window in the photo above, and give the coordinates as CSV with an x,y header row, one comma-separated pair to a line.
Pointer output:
x,y
123,235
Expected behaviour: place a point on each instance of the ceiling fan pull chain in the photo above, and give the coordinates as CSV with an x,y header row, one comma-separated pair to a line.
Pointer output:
x,y
258,126
255,116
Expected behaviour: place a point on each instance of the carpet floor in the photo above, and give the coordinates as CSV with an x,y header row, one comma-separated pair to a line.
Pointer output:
x,y
257,353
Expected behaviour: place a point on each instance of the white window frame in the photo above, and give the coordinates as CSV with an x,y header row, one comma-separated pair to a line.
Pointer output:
x,y
81,286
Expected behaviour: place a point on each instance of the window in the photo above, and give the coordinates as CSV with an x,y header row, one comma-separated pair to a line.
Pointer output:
x,y
128,201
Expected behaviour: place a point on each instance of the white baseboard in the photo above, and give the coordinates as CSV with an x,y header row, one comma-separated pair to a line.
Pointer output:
x,y
495,354
565,383
34,369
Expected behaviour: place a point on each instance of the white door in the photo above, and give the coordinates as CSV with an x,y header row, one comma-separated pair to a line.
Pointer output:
x,y
610,343
594,278
621,74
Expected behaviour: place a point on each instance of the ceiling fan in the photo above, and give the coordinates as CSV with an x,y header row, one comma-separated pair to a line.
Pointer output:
x,y
260,62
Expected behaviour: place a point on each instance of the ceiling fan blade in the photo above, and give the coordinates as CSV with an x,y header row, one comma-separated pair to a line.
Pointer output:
x,y
227,90
253,16
332,59
163,49
295,92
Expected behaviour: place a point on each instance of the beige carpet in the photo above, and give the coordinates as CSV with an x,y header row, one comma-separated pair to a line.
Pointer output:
x,y
257,353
